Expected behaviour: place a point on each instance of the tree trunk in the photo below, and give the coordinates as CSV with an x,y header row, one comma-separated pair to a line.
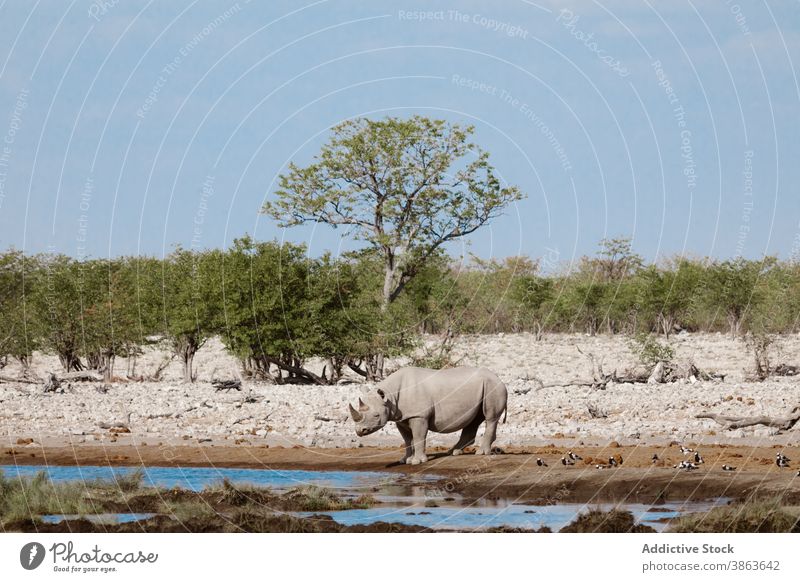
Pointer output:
x,y
188,360
131,373
186,348
333,366
24,361
538,330
107,366
70,362
376,372
371,367
735,323
666,322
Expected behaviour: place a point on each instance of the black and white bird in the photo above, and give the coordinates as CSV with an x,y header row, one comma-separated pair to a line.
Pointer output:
x,y
601,467
686,465
698,459
566,462
686,450
613,462
541,463
781,460
574,457
783,457
728,468
798,473
655,457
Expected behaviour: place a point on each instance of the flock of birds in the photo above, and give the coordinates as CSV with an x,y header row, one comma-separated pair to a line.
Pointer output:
x,y
781,461
571,457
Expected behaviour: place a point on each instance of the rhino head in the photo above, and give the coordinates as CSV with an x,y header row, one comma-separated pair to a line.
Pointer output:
x,y
372,413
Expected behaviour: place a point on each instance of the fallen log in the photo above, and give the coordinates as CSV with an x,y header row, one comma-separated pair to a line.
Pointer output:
x,y
574,382
786,370
81,375
221,385
734,422
10,380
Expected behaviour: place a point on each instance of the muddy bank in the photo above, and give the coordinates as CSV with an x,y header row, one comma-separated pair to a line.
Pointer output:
x,y
514,475
246,524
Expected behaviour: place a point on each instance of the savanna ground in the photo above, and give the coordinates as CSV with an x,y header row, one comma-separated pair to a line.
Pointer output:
x,y
307,427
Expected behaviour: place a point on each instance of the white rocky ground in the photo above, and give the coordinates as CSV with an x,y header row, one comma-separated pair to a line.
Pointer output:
x,y
171,411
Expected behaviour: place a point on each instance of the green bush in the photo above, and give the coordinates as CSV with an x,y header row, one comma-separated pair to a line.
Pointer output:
x,y
649,351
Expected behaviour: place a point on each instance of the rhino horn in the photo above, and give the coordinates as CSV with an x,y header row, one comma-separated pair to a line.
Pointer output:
x,y
357,416
362,406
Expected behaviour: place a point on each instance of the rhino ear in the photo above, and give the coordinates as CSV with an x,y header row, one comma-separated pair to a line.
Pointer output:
x,y
382,394
361,405
357,416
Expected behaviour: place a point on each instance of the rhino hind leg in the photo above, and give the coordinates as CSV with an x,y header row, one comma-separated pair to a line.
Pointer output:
x,y
467,436
488,438
495,401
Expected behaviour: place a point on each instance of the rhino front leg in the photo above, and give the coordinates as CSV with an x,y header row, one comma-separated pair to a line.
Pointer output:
x,y
419,432
467,436
488,438
408,439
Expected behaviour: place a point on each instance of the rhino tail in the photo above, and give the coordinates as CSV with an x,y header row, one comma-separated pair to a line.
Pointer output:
x,y
505,416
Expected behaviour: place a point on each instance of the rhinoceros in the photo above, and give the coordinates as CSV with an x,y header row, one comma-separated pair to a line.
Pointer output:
x,y
419,400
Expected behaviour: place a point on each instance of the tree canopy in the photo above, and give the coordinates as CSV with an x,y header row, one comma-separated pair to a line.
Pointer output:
x,y
404,186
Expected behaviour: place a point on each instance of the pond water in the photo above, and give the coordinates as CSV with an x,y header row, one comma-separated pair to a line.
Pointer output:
x,y
195,478
403,499
511,515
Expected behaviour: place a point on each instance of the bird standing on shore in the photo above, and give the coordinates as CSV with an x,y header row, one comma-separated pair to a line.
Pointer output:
x,y
782,460
541,463
574,457
613,462
697,458
686,450
728,468
655,458
566,462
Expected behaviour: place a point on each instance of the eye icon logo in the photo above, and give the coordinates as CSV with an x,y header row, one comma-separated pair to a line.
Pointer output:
x,y
31,555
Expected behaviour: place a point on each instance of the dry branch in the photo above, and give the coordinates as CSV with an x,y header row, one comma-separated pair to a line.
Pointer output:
x,y
81,375
221,385
734,422
10,380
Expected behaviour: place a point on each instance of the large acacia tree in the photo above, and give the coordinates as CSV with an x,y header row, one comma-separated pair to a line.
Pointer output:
x,y
405,187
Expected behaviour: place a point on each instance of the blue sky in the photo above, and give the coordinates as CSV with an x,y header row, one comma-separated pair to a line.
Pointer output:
x,y
130,127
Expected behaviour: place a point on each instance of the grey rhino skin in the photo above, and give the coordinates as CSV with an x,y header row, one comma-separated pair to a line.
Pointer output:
x,y
419,400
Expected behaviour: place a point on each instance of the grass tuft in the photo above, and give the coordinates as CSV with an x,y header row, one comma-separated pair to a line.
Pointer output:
x,y
752,516
599,521
30,497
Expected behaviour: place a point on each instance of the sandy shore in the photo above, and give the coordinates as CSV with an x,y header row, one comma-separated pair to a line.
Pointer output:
x,y
172,412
